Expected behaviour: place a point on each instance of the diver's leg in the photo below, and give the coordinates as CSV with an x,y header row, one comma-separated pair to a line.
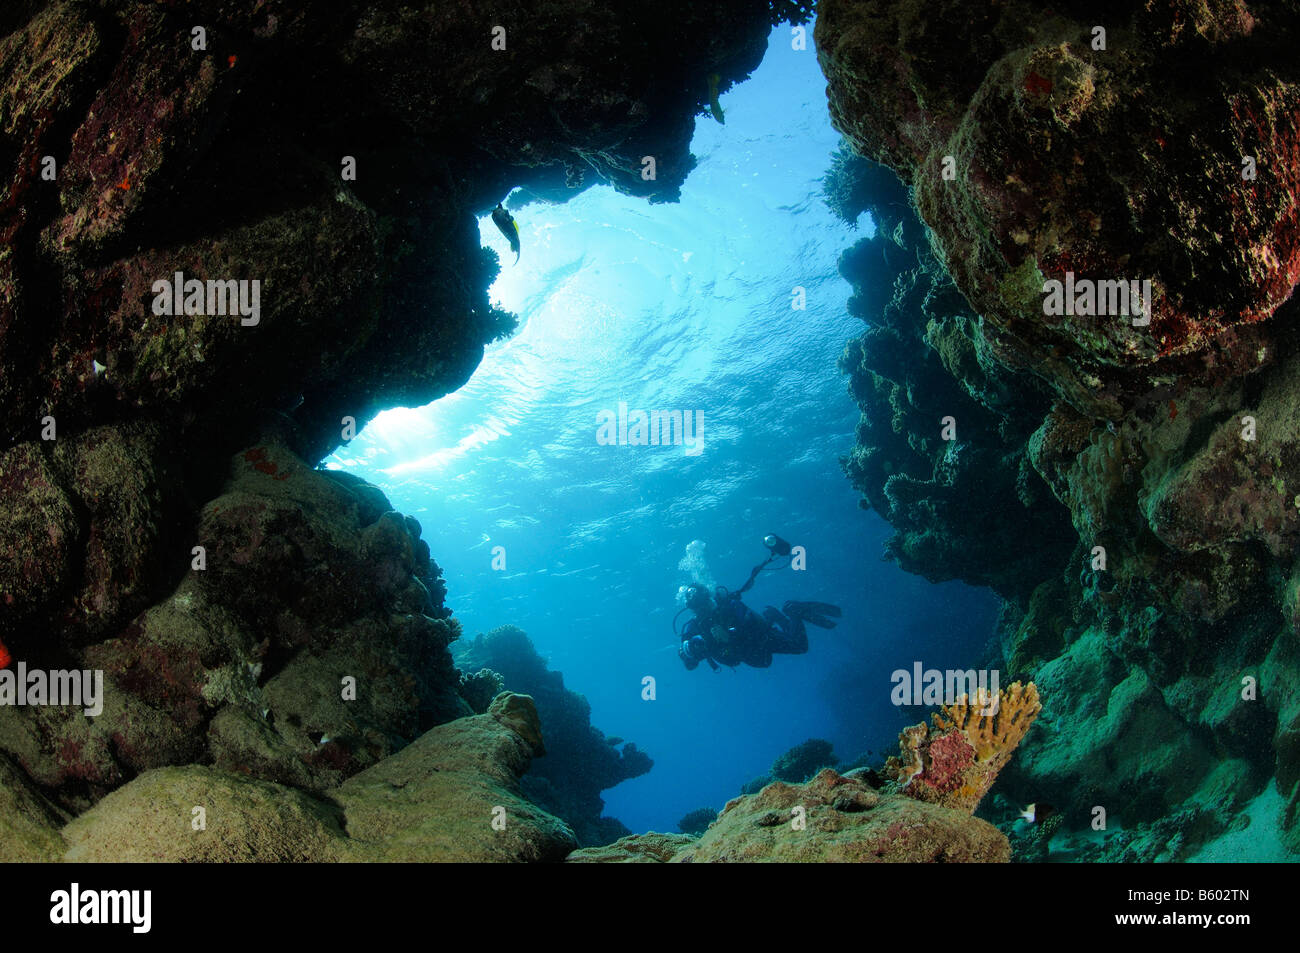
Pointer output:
x,y
786,635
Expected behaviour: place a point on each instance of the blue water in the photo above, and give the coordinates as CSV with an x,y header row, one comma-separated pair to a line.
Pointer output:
x,y
678,307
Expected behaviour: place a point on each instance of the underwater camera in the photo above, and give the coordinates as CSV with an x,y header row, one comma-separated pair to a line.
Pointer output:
x,y
776,545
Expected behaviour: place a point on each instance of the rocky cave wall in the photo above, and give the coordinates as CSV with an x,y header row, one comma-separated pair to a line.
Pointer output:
x,y
1172,446
138,140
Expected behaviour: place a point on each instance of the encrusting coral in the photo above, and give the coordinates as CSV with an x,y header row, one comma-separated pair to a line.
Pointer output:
x,y
478,689
955,761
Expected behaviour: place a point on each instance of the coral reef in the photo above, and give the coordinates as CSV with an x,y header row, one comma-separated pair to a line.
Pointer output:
x,y
803,761
971,507
478,689
233,672
1128,488
579,761
842,820
955,761
1056,168
795,765
452,795
697,821
830,819
121,422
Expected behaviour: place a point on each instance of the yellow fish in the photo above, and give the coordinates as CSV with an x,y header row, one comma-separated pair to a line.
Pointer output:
x,y
714,106
506,224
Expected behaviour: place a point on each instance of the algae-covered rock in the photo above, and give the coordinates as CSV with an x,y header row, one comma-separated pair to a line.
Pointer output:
x,y
941,443
1037,119
453,795
1106,737
357,293
843,820
579,761
154,818
29,824
1171,443
40,537
648,848
305,682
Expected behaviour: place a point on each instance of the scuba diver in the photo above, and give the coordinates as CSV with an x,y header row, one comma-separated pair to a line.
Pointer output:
x,y
505,222
726,631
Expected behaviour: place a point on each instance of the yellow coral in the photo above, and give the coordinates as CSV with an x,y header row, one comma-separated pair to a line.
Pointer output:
x,y
939,768
994,735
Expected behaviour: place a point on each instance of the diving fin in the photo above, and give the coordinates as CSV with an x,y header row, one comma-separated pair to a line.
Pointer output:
x,y
814,613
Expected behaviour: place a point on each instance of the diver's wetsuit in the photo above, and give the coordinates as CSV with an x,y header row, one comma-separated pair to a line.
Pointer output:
x,y
734,634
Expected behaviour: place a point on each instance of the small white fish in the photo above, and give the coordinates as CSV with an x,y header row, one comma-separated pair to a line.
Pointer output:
x,y
99,368
1037,812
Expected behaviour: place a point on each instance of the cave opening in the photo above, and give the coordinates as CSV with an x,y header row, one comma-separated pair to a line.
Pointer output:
x,y
690,307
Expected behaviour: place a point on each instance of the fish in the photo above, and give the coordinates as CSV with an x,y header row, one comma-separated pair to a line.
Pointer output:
x,y
1037,812
715,107
506,224
5,657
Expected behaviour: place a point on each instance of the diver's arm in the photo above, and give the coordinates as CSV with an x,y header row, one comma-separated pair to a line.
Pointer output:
x,y
753,574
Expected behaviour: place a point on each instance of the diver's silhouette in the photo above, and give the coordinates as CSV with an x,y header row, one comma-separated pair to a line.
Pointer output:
x,y
725,631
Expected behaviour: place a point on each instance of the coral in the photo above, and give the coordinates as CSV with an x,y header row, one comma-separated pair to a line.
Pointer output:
x,y
842,820
970,508
1170,448
803,761
1032,845
480,688
696,822
955,761
853,185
